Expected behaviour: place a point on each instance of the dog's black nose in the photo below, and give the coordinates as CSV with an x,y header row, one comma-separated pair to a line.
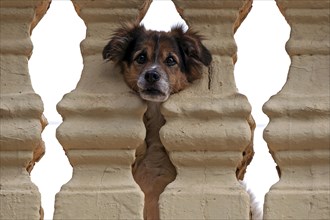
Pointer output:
x,y
151,76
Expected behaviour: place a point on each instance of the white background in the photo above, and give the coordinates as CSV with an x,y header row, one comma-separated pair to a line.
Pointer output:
x,y
56,65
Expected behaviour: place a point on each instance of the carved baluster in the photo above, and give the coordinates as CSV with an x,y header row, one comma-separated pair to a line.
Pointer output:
x,y
298,132
209,125
102,124
20,111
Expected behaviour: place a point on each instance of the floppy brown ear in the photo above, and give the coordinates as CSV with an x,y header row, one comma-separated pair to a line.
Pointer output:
x,y
194,52
122,42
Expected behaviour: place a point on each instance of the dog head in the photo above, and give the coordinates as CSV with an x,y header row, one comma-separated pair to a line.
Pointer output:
x,y
157,64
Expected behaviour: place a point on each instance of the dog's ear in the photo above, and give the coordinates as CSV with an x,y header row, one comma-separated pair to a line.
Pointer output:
x,y
195,54
122,43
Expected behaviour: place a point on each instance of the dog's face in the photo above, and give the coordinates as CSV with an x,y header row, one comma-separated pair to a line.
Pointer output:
x,y
157,64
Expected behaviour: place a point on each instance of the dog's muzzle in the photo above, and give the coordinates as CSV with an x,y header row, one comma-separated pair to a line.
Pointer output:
x,y
153,86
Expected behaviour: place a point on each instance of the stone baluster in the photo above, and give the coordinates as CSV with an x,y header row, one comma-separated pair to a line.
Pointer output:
x,y
20,111
299,128
209,125
102,124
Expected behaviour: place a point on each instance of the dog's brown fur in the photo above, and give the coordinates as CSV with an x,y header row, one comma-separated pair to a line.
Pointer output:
x,y
176,55
156,64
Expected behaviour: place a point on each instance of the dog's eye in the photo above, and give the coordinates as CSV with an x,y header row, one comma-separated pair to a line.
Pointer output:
x,y
141,59
170,61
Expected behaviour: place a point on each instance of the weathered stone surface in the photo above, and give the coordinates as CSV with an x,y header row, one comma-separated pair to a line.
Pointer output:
x,y
299,128
102,124
20,111
209,125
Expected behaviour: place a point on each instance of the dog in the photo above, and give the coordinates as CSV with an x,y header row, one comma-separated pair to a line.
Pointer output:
x,y
155,65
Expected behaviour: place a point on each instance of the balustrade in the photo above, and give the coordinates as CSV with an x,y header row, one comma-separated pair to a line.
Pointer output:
x,y
20,111
208,132
208,125
102,124
299,128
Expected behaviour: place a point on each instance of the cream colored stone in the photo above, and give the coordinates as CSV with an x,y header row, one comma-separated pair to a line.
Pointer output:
x,y
209,125
102,124
299,128
20,111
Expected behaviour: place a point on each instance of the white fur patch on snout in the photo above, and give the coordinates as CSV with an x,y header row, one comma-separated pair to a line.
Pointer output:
x,y
158,91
